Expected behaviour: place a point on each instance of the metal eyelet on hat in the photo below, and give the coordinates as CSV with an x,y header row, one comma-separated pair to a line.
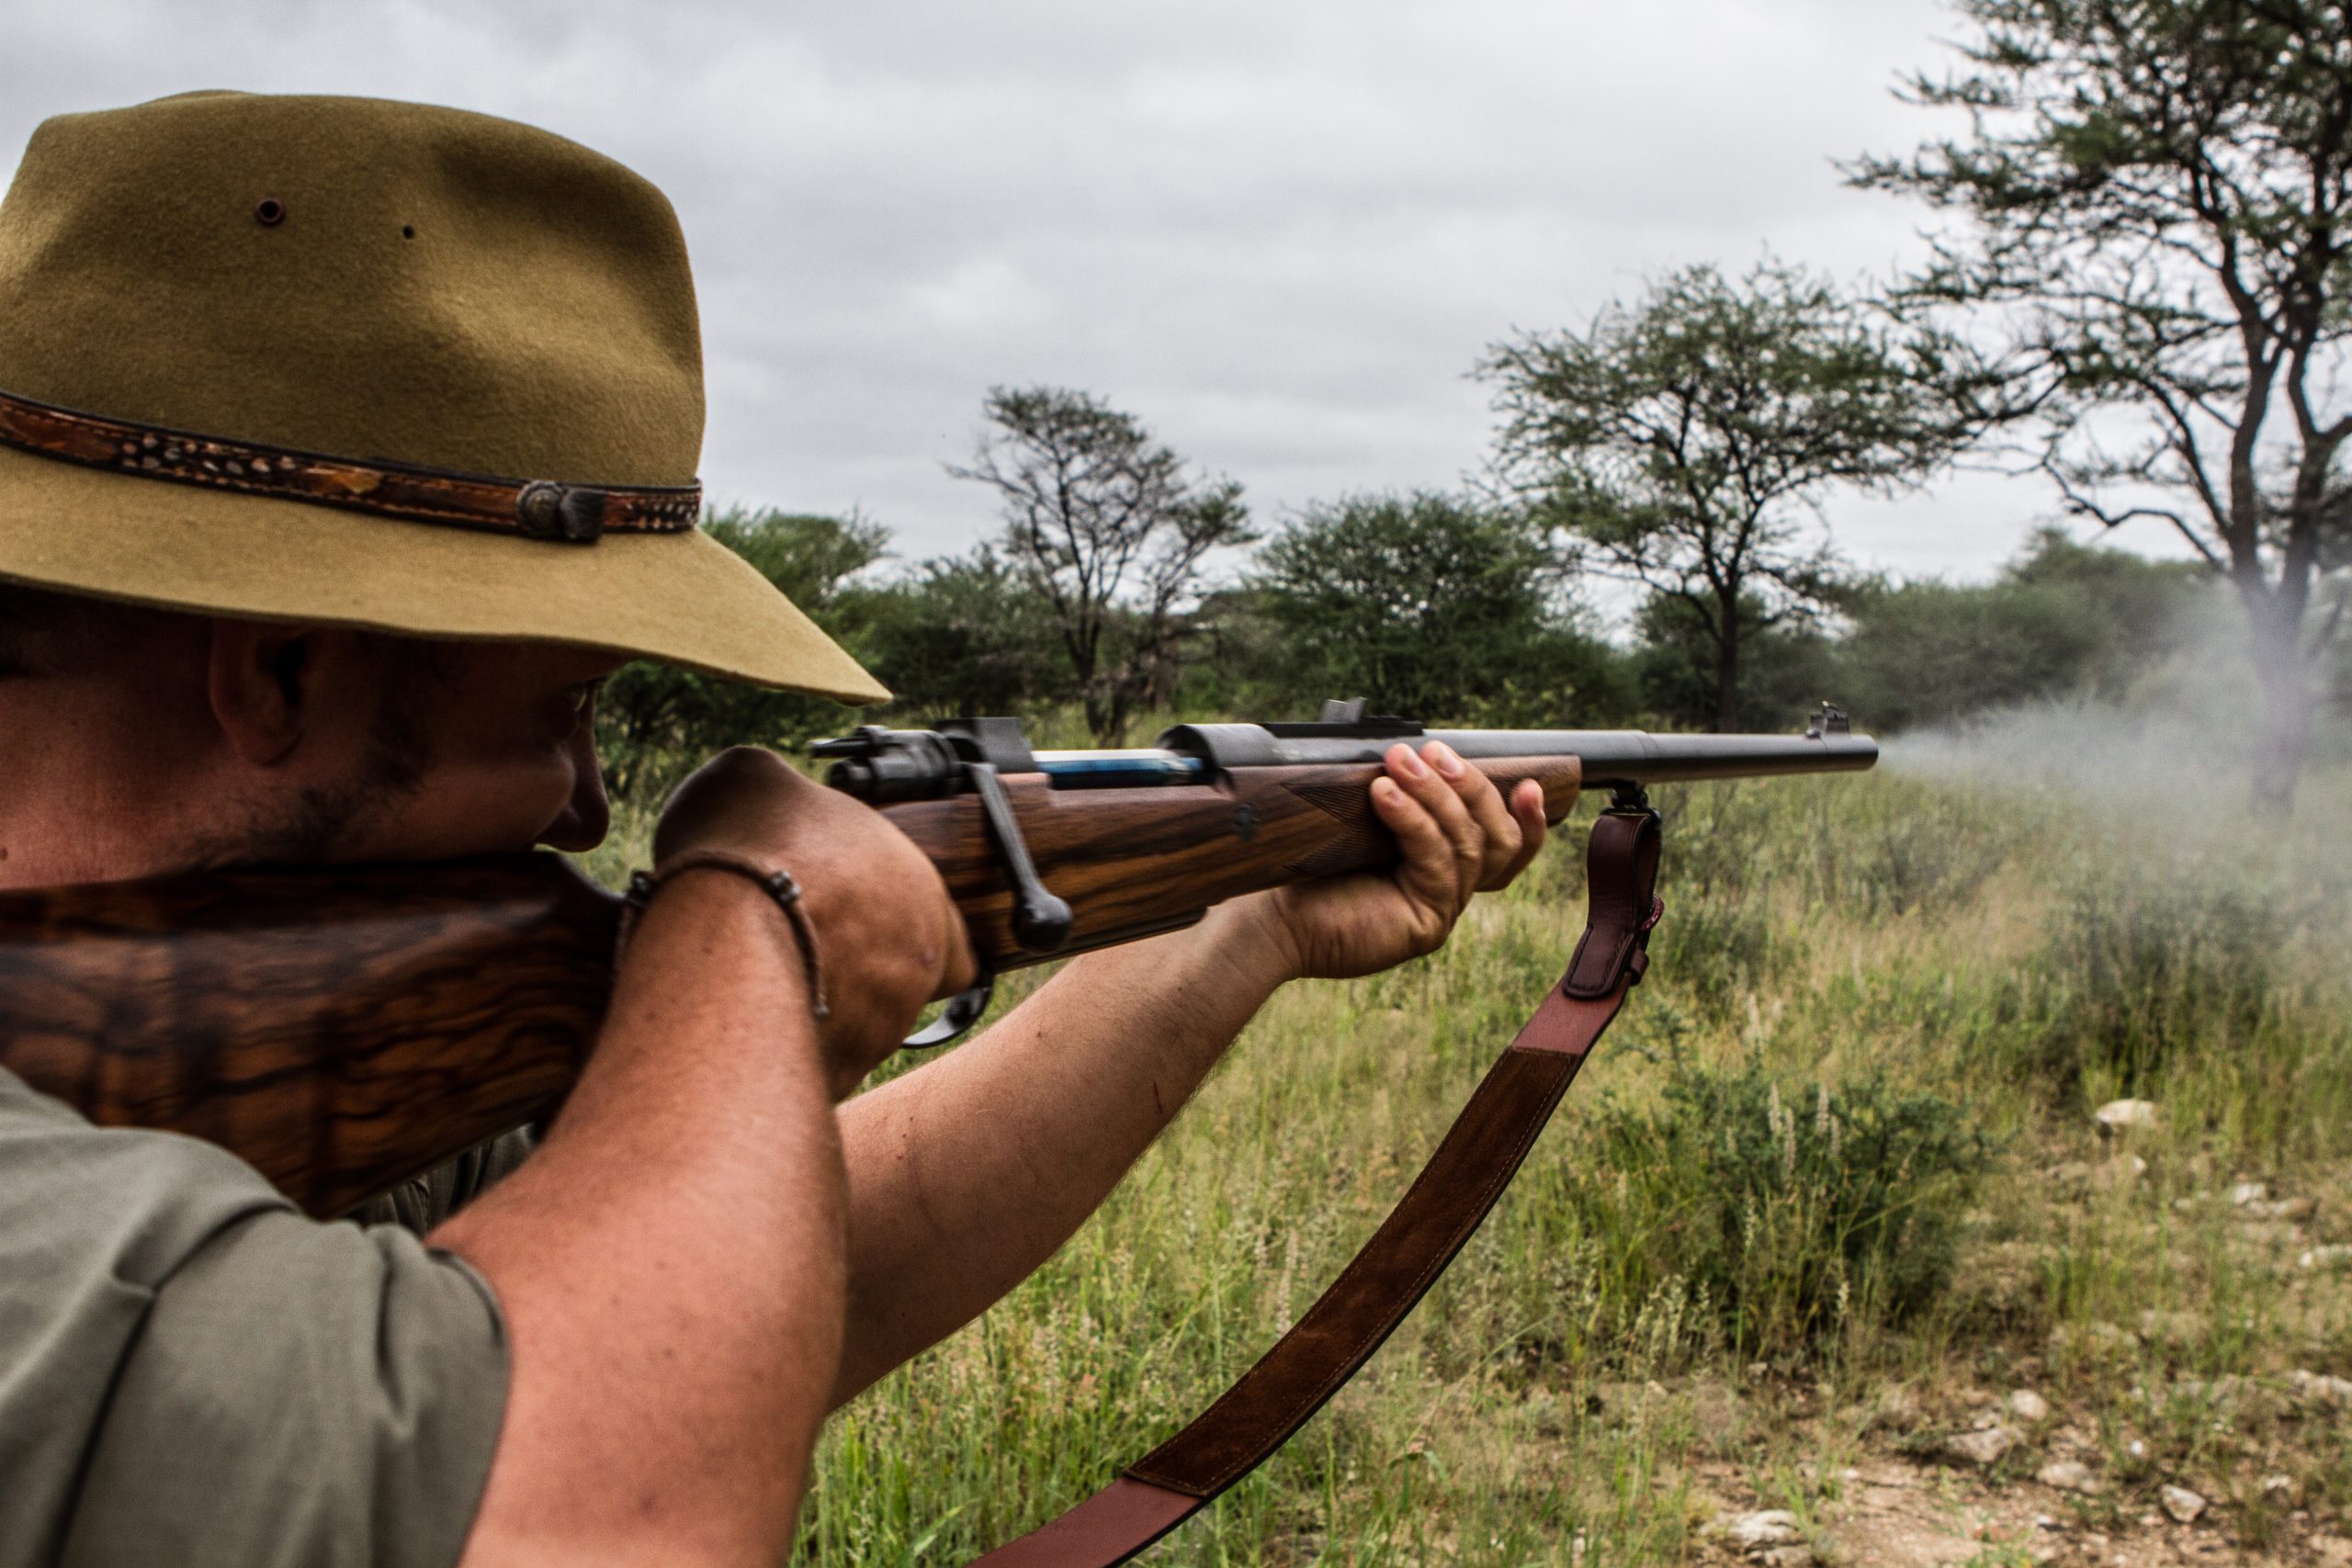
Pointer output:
x,y
551,510
269,212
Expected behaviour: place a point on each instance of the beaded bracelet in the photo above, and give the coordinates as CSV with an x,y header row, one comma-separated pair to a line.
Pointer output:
x,y
778,884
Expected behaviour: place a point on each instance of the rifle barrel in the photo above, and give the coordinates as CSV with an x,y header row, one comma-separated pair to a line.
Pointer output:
x,y
1611,757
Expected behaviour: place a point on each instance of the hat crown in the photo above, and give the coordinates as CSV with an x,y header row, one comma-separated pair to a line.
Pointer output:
x,y
356,278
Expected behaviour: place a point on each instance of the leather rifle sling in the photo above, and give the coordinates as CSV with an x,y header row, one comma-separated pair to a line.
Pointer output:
x,y
1474,1161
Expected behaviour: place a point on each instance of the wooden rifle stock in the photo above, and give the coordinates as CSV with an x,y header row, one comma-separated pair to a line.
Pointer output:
x,y
345,1030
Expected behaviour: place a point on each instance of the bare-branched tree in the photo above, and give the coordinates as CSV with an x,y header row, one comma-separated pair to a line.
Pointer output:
x,y
1111,528
2155,200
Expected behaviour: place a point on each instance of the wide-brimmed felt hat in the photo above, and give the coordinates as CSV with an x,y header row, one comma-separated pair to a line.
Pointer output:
x,y
369,363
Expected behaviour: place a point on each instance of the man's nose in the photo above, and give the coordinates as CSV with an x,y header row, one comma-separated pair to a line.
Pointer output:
x,y
588,815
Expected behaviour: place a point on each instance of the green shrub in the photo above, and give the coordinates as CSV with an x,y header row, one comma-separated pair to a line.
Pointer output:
x,y
2150,964
964,636
1435,606
1794,1215
1714,951
2063,618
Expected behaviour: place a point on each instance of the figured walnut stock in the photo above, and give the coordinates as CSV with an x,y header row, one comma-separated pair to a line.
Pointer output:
x,y
345,1030
342,1031
1132,860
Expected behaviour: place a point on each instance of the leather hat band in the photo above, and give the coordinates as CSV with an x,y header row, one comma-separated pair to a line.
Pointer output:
x,y
537,509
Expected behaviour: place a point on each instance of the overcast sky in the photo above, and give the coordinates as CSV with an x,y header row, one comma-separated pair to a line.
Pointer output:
x,y
1279,231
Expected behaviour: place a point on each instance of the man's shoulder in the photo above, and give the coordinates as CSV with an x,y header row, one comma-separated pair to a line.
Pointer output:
x,y
196,1373
144,1197
53,1160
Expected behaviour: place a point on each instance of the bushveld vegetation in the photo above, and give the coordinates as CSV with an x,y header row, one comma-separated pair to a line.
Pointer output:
x,y
1972,1181
1442,608
1830,1194
1829,1236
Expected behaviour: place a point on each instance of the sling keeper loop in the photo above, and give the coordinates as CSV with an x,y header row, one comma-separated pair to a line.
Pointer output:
x,y
1614,950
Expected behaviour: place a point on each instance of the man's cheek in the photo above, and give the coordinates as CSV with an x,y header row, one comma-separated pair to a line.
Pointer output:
x,y
490,804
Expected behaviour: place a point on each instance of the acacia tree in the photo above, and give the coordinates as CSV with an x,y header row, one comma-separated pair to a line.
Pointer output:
x,y
1112,529
2154,197
1685,442
1428,605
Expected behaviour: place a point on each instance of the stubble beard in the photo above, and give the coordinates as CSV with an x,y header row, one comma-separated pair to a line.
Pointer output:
x,y
317,826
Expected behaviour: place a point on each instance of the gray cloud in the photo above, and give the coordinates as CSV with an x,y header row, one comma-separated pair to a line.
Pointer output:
x,y
1279,234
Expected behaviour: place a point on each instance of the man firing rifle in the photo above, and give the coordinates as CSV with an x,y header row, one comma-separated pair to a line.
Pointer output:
x,y
260,603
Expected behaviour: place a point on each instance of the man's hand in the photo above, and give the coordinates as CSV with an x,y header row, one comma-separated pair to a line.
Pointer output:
x,y
1457,835
890,940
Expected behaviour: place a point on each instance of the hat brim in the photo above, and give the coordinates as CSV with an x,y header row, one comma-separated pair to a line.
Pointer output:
x,y
683,599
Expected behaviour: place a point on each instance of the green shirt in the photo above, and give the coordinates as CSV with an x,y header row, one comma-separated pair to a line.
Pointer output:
x,y
192,1373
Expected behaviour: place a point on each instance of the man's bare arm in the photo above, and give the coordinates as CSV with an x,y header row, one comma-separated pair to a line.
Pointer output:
x,y
669,1264
968,1173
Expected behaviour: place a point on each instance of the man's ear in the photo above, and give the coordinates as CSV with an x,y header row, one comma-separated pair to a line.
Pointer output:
x,y
262,680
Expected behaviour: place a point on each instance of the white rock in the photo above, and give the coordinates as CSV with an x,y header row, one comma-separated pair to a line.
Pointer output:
x,y
2136,1449
2183,1504
1784,1557
2070,1475
1771,1527
2227,1389
2028,1405
2314,1388
2119,1116
2336,1255
1984,1447
2119,1174
2248,1192
2280,1488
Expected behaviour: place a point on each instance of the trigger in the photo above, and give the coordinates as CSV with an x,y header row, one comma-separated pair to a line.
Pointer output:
x,y
963,1010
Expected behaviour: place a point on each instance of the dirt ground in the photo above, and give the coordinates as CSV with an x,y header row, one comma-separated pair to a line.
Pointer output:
x,y
1901,1512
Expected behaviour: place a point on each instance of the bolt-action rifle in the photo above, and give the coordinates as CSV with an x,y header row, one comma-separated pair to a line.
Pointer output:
x,y
346,1029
